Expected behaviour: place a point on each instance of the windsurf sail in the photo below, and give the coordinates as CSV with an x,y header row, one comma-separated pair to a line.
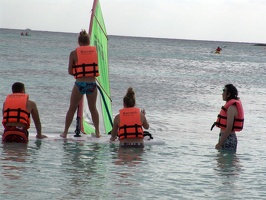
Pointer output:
x,y
98,38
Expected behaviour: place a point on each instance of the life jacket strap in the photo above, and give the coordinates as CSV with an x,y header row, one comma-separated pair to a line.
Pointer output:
x,y
214,124
18,116
125,127
84,72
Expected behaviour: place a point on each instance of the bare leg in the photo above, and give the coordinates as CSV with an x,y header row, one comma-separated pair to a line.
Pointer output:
x,y
75,98
94,112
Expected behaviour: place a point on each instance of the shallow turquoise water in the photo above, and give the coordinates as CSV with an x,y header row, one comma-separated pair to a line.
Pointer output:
x,y
178,82
178,170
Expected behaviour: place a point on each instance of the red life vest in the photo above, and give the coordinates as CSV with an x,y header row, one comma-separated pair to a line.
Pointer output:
x,y
130,123
15,134
87,64
238,120
15,109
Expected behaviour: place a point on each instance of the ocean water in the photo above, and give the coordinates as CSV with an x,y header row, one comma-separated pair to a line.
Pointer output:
x,y
178,82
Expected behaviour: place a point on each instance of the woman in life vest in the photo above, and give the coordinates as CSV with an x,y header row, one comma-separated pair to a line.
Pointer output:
x,y
129,123
83,65
230,119
17,109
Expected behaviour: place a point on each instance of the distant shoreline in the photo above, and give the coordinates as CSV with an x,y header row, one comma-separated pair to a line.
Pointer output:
x,y
149,37
260,44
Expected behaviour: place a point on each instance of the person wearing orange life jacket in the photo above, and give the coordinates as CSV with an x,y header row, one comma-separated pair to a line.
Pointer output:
x,y
83,65
17,109
129,123
230,119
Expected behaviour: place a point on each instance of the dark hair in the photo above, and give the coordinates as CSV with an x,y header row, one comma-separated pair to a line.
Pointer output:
x,y
84,38
231,89
129,99
18,87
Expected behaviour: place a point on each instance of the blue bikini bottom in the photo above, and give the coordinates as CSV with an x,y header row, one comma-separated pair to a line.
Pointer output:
x,y
86,87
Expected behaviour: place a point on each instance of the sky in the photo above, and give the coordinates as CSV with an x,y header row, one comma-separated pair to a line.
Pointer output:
x,y
215,20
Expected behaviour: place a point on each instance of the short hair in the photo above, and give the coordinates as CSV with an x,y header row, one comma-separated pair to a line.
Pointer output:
x,y
18,87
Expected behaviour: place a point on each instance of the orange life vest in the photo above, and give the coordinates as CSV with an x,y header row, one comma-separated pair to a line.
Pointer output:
x,y
15,109
238,120
130,123
87,64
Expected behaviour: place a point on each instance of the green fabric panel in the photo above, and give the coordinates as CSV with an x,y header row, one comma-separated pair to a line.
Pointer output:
x,y
99,39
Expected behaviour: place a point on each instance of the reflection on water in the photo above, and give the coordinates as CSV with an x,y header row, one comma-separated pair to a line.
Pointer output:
x,y
229,171
127,156
86,169
12,155
80,156
128,170
83,165
13,159
228,163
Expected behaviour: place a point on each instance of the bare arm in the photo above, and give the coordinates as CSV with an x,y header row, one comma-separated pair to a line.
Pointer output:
x,y
115,129
72,59
36,119
144,121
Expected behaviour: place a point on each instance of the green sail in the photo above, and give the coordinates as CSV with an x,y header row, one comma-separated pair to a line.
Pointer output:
x,y
98,38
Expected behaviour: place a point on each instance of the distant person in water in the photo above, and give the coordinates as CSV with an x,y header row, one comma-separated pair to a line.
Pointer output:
x,y
17,109
218,50
230,119
129,123
22,33
83,65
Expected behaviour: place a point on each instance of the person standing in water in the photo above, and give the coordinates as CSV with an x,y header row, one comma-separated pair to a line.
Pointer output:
x,y
129,123
83,65
230,119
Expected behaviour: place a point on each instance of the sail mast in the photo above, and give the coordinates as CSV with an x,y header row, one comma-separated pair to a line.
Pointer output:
x,y
92,15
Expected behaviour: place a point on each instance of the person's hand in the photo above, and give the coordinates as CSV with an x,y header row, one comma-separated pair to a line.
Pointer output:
x,y
143,111
218,146
41,136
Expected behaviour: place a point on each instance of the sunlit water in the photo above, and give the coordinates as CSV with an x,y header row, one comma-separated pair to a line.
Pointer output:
x,y
179,84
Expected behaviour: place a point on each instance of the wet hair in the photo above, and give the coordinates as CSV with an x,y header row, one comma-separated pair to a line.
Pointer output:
x,y
231,89
129,98
18,87
84,38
